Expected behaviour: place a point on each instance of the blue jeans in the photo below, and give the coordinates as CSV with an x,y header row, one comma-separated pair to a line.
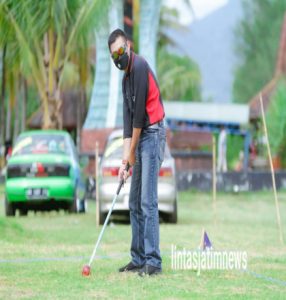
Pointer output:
x,y
143,199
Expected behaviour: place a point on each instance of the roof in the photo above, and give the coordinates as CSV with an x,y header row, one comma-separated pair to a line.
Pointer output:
x,y
207,112
266,93
281,57
69,112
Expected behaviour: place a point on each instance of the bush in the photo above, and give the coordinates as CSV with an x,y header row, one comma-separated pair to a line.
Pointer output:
x,y
276,119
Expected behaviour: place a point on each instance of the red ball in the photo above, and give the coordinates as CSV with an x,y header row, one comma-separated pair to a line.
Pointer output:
x,y
86,271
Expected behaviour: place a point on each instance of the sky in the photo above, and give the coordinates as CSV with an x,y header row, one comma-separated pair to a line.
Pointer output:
x,y
201,8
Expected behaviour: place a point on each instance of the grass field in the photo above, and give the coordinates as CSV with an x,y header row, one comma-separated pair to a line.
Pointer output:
x,y
41,256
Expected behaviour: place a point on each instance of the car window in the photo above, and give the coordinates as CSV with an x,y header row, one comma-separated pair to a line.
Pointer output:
x,y
41,144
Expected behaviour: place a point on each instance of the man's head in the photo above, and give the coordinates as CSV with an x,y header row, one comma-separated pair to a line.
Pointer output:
x,y
119,48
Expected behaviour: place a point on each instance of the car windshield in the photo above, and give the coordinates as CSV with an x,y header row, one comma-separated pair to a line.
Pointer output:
x,y
41,144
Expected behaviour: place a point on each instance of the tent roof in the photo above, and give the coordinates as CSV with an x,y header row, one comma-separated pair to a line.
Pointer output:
x,y
207,112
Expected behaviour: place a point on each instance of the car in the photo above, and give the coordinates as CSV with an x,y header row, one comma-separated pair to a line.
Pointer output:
x,y
109,168
43,173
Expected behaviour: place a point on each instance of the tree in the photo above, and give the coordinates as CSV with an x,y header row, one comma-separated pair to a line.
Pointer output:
x,y
46,34
257,42
2,99
276,120
10,79
179,76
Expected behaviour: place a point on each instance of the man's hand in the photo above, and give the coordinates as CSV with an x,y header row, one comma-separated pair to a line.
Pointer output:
x,y
123,174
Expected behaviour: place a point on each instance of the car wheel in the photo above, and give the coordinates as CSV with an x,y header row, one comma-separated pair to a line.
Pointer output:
x,y
73,208
102,217
23,212
173,217
10,210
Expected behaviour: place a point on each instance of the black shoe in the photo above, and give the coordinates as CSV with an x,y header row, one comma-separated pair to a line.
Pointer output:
x,y
149,270
130,268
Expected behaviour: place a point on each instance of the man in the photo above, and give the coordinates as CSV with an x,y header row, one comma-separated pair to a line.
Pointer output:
x,y
222,148
143,148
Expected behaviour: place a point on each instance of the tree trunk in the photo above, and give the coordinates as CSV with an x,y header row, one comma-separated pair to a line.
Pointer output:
x,y
84,105
54,114
59,103
2,103
8,122
24,104
12,77
16,114
46,122
49,121
79,117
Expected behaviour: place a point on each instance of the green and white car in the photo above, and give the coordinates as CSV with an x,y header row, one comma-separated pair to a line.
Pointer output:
x,y
43,173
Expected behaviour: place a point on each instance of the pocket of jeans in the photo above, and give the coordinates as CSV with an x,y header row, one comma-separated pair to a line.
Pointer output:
x,y
150,130
149,144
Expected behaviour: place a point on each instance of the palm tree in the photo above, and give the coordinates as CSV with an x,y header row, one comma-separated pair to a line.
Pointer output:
x,y
179,76
10,74
46,36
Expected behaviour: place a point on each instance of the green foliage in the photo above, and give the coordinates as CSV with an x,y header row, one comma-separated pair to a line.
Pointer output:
x,y
178,76
136,20
256,45
168,19
235,144
33,101
24,25
276,120
43,38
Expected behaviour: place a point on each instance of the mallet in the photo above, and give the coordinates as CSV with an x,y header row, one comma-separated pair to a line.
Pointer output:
x,y
86,270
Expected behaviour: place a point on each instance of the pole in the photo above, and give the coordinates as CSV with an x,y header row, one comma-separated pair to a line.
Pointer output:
x,y
272,173
96,184
121,183
102,230
214,175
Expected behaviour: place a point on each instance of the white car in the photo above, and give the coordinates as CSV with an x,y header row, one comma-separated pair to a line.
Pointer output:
x,y
109,168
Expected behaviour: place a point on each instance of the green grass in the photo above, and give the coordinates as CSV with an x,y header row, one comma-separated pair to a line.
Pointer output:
x,y
244,222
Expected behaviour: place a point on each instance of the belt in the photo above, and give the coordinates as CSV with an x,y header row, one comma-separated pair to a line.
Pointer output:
x,y
156,125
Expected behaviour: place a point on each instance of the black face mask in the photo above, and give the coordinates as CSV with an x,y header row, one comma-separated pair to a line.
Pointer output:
x,y
122,62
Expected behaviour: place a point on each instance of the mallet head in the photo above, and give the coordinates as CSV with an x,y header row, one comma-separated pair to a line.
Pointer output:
x,y
86,271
